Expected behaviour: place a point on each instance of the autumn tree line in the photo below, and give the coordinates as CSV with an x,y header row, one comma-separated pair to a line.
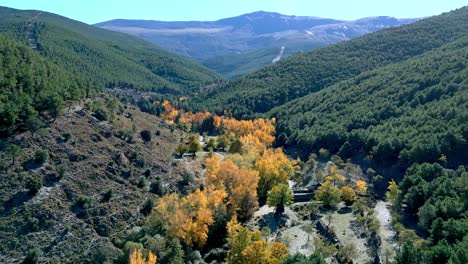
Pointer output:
x,y
244,171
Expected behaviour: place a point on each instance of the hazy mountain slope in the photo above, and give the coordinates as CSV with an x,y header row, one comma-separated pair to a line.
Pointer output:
x,y
204,40
229,43
236,65
306,73
104,58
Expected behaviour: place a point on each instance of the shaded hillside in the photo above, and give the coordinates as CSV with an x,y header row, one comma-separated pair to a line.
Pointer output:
x,y
306,73
104,58
413,111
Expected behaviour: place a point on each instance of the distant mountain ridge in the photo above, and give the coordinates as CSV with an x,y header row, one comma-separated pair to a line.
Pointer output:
x,y
217,43
306,73
257,22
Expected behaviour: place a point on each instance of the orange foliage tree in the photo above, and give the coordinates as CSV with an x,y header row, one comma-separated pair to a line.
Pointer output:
x,y
190,216
169,113
240,185
261,128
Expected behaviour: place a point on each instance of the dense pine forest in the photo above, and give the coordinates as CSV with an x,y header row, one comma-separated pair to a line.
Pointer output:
x,y
405,113
32,85
103,58
113,150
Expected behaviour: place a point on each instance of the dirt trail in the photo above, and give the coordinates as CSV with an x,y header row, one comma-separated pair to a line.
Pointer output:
x,y
382,211
279,56
32,38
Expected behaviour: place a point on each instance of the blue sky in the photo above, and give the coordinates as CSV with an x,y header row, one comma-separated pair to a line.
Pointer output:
x,y
93,11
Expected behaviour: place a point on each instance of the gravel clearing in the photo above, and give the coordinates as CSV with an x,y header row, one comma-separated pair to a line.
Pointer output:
x,y
382,210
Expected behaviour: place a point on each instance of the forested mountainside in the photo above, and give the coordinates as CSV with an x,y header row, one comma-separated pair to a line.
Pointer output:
x,y
102,58
409,112
233,66
30,84
310,72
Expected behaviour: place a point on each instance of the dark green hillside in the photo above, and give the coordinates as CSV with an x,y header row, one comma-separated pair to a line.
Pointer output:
x,y
30,84
309,72
104,58
407,118
413,111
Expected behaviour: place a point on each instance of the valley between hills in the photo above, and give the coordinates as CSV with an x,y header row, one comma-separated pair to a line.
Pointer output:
x,y
116,150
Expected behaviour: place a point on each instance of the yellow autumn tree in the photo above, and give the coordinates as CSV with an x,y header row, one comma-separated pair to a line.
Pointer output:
x,y
274,168
136,257
251,145
348,195
263,252
393,194
262,129
190,216
361,187
247,246
213,167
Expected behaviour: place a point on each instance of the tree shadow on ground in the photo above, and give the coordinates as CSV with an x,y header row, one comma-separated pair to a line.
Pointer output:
x,y
345,210
31,165
15,201
273,221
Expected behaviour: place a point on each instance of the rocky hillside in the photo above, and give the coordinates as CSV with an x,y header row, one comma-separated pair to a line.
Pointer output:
x,y
77,186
